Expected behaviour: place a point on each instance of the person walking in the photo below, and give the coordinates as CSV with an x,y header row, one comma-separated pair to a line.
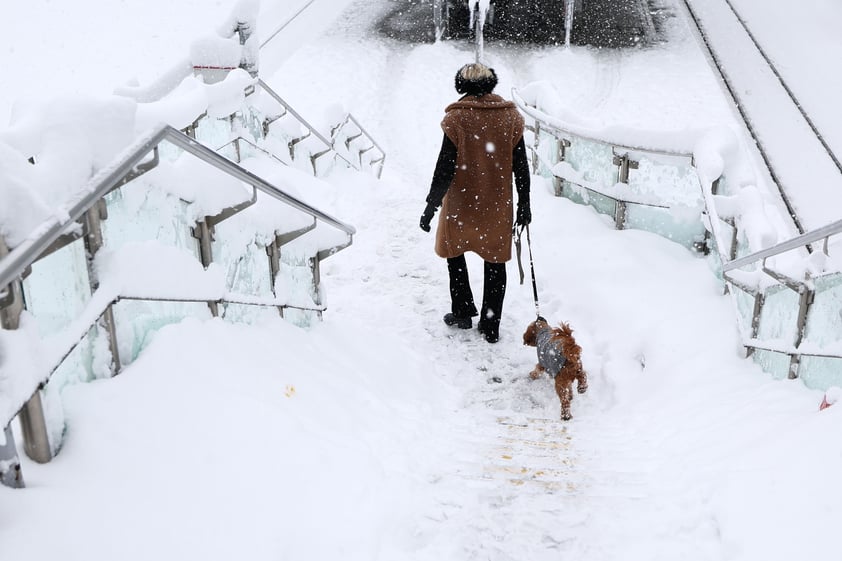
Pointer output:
x,y
472,183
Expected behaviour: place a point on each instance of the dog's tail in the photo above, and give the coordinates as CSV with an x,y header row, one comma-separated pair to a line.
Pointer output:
x,y
566,330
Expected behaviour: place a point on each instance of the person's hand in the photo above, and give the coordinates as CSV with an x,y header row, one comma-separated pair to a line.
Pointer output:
x,y
524,214
427,217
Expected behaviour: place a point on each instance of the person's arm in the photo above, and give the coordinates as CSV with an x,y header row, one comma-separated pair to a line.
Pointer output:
x,y
520,168
443,175
442,178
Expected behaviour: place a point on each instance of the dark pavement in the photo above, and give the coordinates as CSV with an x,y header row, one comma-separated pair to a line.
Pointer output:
x,y
598,23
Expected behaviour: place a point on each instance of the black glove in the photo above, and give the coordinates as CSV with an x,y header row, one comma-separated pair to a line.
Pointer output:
x,y
524,213
427,217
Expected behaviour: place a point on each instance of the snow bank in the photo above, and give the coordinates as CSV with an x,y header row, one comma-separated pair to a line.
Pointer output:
x,y
549,106
68,140
22,365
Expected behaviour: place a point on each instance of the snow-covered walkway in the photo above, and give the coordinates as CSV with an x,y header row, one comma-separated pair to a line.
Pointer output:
x,y
383,434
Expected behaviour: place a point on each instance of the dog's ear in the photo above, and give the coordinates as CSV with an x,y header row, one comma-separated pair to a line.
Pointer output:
x,y
530,334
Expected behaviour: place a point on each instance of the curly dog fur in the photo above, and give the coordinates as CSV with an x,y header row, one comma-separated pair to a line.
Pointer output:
x,y
558,341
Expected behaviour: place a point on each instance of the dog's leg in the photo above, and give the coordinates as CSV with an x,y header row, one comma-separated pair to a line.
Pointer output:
x,y
564,389
582,381
536,372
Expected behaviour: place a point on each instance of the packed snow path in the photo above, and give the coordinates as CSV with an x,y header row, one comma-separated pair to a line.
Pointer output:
x,y
519,484
383,434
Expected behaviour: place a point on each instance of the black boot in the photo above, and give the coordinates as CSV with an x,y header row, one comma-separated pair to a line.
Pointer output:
x,y
493,292
490,329
462,307
461,323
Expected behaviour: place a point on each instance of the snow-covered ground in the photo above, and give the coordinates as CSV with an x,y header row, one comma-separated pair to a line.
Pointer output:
x,y
381,433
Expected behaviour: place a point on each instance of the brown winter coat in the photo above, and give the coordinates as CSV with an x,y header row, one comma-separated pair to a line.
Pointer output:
x,y
476,212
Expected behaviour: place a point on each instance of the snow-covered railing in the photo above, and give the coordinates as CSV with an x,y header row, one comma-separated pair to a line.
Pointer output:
x,y
349,142
663,195
786,296
822,234
155,237
93,334
353,138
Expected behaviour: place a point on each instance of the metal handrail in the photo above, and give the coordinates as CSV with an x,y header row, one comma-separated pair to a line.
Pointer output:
x,y
286,23
27,252
349,118
794,243
303,121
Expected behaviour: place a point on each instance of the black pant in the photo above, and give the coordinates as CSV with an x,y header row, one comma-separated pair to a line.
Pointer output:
x,y
493,291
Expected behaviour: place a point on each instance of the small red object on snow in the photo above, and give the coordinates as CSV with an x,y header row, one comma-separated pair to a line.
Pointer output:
x,y
824,405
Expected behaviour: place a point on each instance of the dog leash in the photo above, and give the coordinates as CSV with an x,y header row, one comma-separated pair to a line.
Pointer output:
x,y
518,234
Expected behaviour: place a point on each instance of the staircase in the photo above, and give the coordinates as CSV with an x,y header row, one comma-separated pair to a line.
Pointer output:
x,y
199,222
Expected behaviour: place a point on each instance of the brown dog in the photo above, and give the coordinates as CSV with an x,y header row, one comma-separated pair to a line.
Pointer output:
x,y
559,355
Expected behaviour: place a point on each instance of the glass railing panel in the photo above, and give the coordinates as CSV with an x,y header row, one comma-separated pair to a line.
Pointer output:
x,y
779,317
744,304
594,161
56,293
824,320
213,132
142,213
137,322
548,153
91,359
775,363
247,269
665,180
249,123
295,285
820,373
681,225
580,195
742,247
58,289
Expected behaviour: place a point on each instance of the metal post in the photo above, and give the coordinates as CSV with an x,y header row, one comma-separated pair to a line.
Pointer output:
x,y
805,300
757,309
273,250
36,442
620,214
625,164
93,243
536,141
315,269
204,234
33,426
562,144
248,60
10,473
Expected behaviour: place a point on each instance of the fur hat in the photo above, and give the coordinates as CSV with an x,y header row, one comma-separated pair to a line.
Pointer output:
x,y
475,79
